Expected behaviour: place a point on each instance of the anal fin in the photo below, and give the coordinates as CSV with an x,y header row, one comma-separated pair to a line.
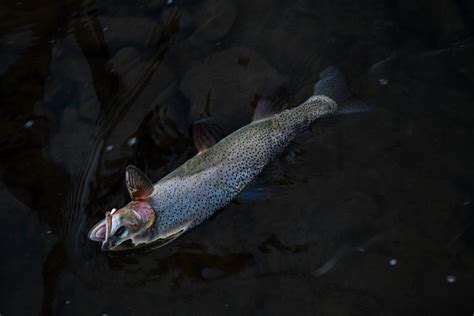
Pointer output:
x,y
263,110
271,104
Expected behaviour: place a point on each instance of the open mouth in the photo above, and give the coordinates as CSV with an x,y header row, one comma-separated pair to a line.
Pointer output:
x,y
99,231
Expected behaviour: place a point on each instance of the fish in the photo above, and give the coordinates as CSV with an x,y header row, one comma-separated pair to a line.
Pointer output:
x,y
217,174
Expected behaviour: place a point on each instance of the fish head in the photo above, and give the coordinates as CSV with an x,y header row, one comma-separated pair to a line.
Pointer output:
x,y
124,224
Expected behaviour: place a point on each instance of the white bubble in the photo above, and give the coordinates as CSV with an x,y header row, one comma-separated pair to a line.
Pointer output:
x,y
109,147
168,2
393,262
132,141
105,29
67,302
466,203
451,278
382,82
28,124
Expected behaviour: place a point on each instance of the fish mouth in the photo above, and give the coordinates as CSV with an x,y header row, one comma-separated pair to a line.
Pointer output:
x,y
98,232
108,244
101,233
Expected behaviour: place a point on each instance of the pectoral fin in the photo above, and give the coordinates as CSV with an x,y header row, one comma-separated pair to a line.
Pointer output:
x,y
138,185
205,134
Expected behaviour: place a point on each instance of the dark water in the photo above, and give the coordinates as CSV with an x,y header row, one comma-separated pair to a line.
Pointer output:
x,y
369,214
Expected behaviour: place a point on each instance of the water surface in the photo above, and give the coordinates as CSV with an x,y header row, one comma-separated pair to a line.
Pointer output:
x,y
368,214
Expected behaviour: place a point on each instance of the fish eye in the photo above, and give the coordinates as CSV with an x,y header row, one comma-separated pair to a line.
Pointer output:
x,y
120,231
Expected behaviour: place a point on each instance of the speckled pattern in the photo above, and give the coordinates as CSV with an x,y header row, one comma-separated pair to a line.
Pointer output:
x,y
211,179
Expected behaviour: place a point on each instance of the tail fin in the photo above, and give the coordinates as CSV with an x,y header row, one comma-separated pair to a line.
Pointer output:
x,y
333,84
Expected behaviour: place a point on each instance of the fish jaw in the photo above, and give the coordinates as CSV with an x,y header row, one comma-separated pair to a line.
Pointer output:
x,y
98,232
134,220
108,228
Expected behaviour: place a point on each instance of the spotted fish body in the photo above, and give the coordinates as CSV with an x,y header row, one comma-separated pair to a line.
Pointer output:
x,y
210,180
215,176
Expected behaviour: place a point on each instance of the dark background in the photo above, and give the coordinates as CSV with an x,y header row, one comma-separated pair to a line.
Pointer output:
x,y
87,87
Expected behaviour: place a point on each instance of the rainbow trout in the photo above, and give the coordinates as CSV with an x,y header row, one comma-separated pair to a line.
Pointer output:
x,y
215,176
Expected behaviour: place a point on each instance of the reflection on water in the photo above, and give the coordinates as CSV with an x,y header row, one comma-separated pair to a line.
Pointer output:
x,y
375,216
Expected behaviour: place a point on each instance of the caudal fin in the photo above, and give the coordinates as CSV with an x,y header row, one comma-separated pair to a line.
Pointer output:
x,y
333,84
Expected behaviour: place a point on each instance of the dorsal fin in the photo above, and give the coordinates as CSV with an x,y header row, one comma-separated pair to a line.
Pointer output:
x,y
138,185
205,134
